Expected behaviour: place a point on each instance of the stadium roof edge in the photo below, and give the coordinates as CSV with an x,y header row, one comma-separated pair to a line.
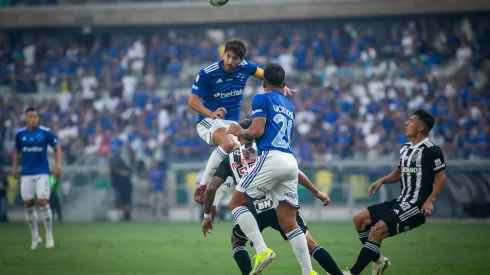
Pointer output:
x,y
132,14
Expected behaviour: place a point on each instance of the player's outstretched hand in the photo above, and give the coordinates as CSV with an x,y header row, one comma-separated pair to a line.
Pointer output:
x,y
234,129
323,197
427,208
207,226
219,113
288,91
374,187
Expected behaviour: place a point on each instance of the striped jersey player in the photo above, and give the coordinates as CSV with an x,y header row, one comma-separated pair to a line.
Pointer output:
x,y
421,171
31,144
216,96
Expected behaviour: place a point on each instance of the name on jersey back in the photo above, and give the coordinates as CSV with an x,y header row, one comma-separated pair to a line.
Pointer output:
x,y
283,110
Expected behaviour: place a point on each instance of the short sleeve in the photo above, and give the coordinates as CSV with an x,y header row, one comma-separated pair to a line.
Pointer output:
x,y
18,142
200,86
52,139
259,106
224,169
251,67
436,159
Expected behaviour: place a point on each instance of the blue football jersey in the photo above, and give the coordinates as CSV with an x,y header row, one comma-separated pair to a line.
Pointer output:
x,y
219,88
279,112
34,148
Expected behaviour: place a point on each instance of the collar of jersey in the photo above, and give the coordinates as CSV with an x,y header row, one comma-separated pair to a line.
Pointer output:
x,y
420,143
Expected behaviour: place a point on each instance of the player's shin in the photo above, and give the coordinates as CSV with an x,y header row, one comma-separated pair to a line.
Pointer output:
x,y
326,261
300,248
47,217
249,226
364,235
213,162
242,259
369,253
31,219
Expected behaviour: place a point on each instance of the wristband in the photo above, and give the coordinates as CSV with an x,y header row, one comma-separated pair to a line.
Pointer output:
x,y
207,216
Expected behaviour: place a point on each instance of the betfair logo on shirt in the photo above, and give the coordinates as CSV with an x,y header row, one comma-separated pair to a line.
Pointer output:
x,y
33,149
229,94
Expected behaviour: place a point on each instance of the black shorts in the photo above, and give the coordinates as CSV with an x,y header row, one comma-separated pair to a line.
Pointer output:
x,y
269,219
399,217
124,194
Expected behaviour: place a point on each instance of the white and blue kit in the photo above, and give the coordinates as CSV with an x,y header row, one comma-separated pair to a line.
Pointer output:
x,y
276,171
33,146
219,88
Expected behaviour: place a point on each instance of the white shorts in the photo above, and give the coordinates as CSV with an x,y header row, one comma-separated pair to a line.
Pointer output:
x,y
207,126
276,174
35,186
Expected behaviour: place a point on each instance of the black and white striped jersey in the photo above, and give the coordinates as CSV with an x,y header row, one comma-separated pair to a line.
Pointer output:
x,y
419,164
234,165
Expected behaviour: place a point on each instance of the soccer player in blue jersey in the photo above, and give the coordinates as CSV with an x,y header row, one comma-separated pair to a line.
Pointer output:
x,y
275,173
31,143
217,96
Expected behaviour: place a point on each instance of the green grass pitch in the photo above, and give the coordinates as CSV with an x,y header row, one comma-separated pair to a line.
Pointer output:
x,y
180,248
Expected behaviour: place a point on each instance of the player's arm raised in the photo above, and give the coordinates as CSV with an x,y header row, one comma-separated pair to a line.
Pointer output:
x,y
393,177
259,74
305,181
199,89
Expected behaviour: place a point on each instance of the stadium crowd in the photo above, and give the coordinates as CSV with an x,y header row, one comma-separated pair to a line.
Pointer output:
x,y
357,88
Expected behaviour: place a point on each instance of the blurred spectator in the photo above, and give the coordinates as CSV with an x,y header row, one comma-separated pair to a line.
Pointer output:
x,y
157,177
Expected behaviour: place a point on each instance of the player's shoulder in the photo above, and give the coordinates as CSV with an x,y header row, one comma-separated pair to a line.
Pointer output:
x,y
246,63
45,129
210,69
431,147
20,131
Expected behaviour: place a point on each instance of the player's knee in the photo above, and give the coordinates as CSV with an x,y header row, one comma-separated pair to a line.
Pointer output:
x,y
237,199
235,241
43,202
362,220
379,231
228,146
29,204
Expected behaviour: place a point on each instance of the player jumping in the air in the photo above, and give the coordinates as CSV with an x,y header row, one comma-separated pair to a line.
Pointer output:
x,y
275,173
234,167
31,144
217,96
421,171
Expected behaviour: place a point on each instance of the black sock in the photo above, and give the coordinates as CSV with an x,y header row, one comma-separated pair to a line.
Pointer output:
x,y
242,259
369,253
364,235
326,261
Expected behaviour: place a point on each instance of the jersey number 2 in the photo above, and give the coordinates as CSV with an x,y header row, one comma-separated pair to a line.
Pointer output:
x,y
284,136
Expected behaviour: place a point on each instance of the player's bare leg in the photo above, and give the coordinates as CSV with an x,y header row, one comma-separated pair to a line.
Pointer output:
x,y
224,145
240,255
250,228
371,251
47,217
286,214
362,222
322,256
31,219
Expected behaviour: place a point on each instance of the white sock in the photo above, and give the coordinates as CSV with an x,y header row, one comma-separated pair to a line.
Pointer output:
x,y
300,249
249,226
213,162
31,219
47,216
220,193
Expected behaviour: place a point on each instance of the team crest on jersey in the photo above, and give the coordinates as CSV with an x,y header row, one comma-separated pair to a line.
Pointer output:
x,y
414,156
39,137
